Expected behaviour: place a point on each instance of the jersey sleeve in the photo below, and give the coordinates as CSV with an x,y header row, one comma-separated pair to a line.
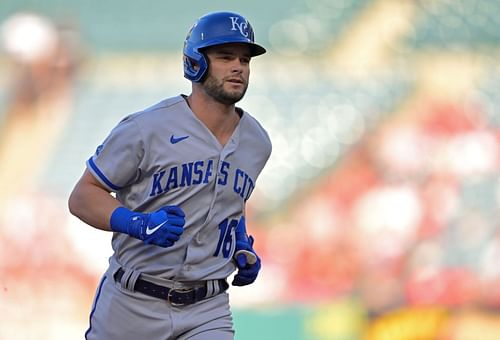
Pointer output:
x,y
116,162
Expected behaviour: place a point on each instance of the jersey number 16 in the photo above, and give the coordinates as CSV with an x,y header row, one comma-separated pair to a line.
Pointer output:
x,y
226,228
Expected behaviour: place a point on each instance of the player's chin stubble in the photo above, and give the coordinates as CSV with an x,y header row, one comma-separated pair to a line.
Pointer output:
x,y
215,89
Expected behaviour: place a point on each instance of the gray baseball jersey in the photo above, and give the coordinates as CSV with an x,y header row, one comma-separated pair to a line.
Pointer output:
x,y
165,155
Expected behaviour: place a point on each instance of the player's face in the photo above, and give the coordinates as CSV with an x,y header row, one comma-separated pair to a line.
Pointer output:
x,y
228,72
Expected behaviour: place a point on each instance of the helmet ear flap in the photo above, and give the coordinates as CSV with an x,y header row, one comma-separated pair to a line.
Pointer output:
x,y
195,66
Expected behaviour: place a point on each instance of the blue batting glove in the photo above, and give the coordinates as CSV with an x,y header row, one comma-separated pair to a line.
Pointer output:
x,y
246,258
162,227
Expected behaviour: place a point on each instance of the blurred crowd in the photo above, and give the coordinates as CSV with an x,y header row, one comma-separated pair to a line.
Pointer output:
x,y
41,60
412,207
40,278
406,225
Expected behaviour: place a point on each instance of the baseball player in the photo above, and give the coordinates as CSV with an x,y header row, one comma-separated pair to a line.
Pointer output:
x,y
182,171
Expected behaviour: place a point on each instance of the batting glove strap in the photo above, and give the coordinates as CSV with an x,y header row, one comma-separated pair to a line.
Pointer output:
x,y
243,242
128,222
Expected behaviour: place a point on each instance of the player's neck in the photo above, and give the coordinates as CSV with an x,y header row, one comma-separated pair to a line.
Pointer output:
x,y
219,118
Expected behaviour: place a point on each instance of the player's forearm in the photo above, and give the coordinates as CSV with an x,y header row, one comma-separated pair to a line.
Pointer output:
x,y
93,205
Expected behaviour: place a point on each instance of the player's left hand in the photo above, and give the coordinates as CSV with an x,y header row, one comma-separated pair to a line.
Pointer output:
x,y
247,260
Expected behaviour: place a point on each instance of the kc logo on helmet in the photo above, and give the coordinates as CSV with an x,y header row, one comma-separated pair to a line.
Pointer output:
x,y
240,26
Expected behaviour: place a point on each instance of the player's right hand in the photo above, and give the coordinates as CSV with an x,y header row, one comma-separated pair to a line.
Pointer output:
x,y
162,227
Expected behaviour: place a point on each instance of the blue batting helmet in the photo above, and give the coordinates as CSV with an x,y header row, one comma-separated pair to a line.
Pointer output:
x,y
215,29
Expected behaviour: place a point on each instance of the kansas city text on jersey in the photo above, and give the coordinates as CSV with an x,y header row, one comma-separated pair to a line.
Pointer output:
x,y
201,172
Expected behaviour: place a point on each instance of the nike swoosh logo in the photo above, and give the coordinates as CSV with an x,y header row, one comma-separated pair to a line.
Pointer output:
x,y
150,231
175,140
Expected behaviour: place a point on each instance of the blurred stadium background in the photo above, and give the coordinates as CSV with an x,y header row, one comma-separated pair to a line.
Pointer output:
x,y
376,216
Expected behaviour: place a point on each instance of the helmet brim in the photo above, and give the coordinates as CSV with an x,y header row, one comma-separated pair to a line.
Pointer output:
x,y
255,49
